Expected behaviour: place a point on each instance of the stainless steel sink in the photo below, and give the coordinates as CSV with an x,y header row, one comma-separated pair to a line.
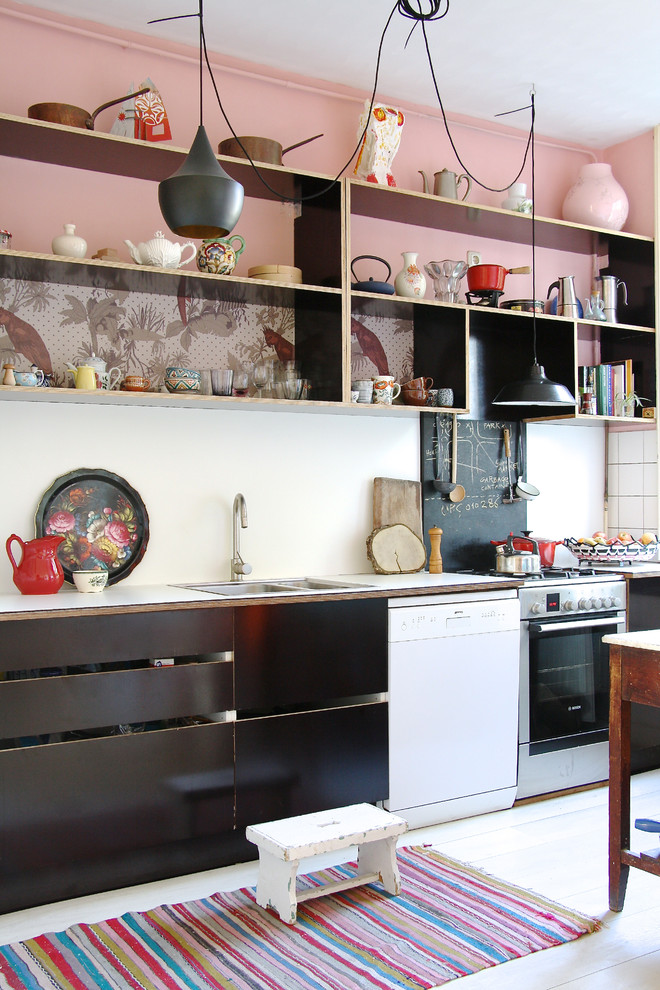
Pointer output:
x,y
249,589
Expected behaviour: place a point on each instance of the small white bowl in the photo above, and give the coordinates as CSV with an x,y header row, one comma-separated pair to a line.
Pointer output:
x,y
89,581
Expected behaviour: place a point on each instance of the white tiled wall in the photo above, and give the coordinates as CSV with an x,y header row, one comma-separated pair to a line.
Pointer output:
x,y
632,482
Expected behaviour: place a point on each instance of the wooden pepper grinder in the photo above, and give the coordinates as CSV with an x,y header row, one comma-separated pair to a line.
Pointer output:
x,y
435,560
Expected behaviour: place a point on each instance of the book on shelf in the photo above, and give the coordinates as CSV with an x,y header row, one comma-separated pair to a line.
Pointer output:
x,y
609,383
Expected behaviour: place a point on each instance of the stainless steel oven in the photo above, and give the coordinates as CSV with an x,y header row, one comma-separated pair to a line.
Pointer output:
x,y
564,680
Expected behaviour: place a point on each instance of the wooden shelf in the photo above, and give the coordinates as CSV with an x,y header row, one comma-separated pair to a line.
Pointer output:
x,y
75,147
146,278
424,210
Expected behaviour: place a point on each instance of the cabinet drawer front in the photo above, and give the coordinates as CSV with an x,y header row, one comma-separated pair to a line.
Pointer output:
x,y
75,639
309,653
294,764
85,701
99,813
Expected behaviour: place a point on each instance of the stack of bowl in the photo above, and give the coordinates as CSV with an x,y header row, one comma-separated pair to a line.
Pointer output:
x,y
416,391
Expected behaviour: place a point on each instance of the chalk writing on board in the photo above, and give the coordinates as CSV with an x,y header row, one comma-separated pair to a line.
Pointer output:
x,y
480,463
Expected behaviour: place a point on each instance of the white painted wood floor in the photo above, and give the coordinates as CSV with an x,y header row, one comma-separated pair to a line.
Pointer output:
x,y
557,846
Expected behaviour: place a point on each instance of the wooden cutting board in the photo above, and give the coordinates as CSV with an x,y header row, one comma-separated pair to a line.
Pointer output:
x,y
397,501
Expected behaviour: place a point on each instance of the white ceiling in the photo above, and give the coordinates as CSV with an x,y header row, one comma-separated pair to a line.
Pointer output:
x,y
594,64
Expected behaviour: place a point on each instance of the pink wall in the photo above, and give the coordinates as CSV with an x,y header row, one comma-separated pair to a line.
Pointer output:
x,y
86,65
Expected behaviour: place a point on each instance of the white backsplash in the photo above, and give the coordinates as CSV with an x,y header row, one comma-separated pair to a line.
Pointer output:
x,y
632,461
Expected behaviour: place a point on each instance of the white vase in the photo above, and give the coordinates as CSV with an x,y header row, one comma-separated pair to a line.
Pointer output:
x,y
69,244
596,199
410,281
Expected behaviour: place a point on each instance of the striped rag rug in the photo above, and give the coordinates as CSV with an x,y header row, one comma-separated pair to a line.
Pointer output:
x,y
450,920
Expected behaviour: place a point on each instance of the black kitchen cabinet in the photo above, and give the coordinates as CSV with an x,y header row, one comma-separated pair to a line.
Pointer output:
x,y
309,654
309,761
311,730
111,771
114,771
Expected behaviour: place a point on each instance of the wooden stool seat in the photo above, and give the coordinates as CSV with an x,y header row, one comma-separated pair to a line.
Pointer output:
x,y
282,844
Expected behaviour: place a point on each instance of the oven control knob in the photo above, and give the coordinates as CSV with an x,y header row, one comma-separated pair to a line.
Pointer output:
x,y
608,602
536,608
584,604
617,603
569,606
596,603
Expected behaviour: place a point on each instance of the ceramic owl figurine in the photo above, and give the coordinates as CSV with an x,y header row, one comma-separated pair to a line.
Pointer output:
x,y
380,144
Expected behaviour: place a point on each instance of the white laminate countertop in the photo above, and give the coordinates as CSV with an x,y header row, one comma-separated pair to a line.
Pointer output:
x,y
647,639
121,596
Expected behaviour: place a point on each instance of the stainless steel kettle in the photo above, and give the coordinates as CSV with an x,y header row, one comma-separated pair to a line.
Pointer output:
x,y
508,560
567,304
608,286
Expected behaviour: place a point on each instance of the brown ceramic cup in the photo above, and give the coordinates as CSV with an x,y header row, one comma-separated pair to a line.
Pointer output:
x,y
414,396
417,383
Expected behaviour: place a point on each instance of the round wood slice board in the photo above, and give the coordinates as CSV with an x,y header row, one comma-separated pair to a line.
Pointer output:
x,y
396,550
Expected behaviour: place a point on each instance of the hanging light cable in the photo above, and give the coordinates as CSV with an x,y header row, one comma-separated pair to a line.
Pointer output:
x,y
535,389
200,199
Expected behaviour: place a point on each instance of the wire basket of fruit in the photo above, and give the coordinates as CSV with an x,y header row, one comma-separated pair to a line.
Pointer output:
x,y
600,548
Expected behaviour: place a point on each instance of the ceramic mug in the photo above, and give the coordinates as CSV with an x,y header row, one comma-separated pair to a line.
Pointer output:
x,y
445,397
108,379
385,389
365,389
415,383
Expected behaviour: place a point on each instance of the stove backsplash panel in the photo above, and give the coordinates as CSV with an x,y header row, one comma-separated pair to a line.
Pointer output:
x,y
469,526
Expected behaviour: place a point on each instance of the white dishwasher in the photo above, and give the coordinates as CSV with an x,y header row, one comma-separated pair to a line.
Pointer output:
x,y
453,705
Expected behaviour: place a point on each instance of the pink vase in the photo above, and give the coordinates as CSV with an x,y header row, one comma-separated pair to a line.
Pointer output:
x,y
596,199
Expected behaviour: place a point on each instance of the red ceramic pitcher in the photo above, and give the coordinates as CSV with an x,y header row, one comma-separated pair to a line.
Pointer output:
x,y
39,571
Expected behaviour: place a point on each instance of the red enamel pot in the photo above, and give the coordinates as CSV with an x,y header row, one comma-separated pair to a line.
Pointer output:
x,y
546,548
490,278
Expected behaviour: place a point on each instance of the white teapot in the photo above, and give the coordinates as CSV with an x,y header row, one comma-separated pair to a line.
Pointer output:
x,y
160,252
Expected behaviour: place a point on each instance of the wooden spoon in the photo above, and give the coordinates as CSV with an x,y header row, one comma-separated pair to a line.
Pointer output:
x,y
457,494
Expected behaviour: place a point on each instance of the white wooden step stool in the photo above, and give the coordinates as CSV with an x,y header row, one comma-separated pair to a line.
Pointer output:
x,y
282,844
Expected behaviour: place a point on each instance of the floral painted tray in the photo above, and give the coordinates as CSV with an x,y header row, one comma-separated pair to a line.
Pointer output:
x,y
610,553
103,520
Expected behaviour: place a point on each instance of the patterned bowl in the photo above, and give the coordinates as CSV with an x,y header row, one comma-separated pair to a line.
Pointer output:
x,y
182,380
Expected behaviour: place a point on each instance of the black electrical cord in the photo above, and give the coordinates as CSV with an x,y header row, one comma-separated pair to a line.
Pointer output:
x,y
437,9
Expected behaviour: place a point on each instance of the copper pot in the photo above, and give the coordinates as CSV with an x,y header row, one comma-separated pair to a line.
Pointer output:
x,y
259,149
70,116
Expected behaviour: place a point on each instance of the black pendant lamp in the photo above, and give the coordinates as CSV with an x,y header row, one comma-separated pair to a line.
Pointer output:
x,y
200,199
535,389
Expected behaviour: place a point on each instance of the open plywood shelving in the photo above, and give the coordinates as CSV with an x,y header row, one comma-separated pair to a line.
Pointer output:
x,y
479,348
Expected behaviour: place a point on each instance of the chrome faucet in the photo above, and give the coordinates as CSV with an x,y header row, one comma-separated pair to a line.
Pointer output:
x,y
238,565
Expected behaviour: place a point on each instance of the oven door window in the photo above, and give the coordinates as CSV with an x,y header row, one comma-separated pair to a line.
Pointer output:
x,y
569,681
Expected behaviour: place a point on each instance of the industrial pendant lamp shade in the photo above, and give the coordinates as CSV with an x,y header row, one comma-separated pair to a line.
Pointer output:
x,y
534,390
200,199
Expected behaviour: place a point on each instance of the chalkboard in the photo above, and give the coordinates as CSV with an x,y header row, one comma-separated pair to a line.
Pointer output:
x,y
469,526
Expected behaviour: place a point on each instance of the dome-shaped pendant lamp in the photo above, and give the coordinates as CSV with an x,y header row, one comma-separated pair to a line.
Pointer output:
x,y
534,390
200,199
